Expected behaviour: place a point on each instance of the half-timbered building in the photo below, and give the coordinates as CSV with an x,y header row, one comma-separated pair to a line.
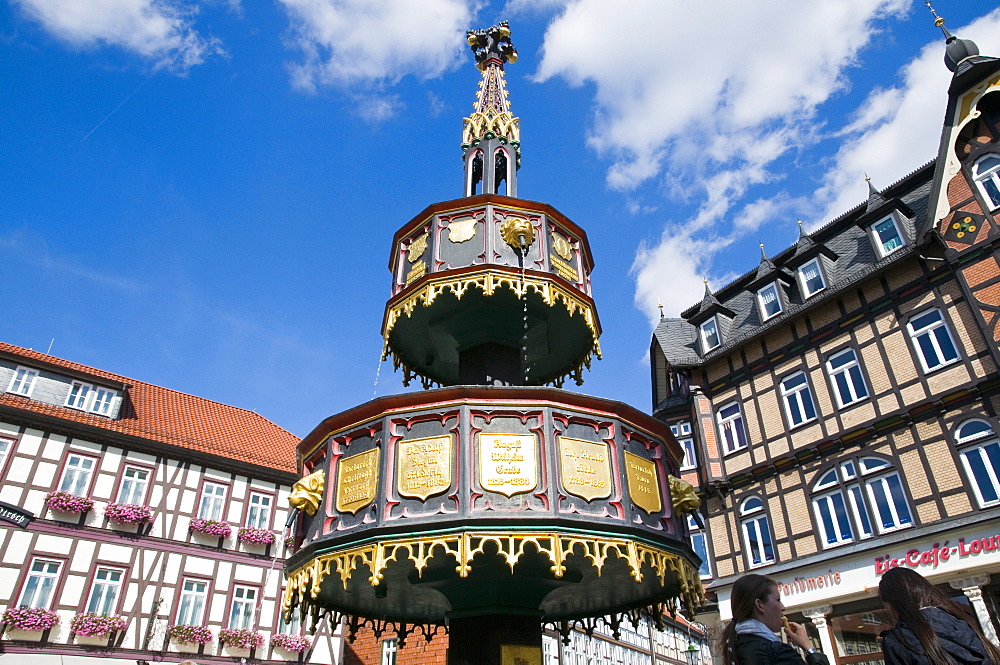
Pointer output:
x,y
840,402
128,510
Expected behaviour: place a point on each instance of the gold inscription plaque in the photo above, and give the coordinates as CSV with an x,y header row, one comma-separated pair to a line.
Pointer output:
x,y
562,246
424,466
417,271
417,248
520,655
585,468
507,463
460,230
357,481
565,270
643,485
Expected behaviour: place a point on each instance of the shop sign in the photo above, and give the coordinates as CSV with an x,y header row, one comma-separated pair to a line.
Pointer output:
x,y
804,584
938,554
15,515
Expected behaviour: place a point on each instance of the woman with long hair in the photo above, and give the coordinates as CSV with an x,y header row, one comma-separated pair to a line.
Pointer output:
x,y
931,629
751,637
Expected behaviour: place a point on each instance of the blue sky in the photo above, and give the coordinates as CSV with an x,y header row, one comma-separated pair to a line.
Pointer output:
x,y
202,194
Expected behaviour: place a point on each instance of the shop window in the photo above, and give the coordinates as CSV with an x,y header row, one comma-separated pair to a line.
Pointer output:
x,y
731,427
105,590
986,173
40,584
799,405
932,340
811,278
980,451
135,480
213,496
845,374
242,610
682,432
191,608
710,337
769,301
699,543
856,636
76,474
756,533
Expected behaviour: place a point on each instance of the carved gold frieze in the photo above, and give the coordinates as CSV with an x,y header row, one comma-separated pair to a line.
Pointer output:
x,y
682,496
460,230
417,270
563,269
585,468
507,462
514,229
643,485
357,481
306,581
424,466
417,248
562,246
307,492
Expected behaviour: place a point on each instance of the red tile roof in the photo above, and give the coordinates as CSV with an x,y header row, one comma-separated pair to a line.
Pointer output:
x,y
171,417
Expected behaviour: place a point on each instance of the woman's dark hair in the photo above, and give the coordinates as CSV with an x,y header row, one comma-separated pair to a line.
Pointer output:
x,y
746,592
907,592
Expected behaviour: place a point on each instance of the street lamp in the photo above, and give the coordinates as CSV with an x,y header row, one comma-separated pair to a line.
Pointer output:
x,y
692,654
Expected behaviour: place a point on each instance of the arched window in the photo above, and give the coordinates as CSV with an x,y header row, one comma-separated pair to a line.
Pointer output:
x,y
756,533
986,173
857,496
980,451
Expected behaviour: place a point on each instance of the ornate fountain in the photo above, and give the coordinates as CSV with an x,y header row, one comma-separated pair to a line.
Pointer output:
x,y
494,503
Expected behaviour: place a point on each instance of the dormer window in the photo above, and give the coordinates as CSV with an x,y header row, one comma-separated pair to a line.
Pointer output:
x,y
87,397
887,236
769,301
811,278
986,173
710,337
23,381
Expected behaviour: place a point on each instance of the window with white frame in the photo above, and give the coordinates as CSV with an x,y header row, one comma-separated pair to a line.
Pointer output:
x,y
682,432
811,278
887,236
213,497
830,506
40,583
244,603
76,474
980,451
710,337
132,490
886,494
23,381
191,608
986,173
6,445
95,399
798,399
756,533
388,650
259,511
294,624
845,374
105,590
856,497
932,340
731,427
769,301
699,543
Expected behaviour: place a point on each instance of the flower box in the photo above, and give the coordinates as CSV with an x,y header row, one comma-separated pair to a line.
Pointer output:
x,y
68,503
89,624
211,527
29,619
127,513
240,638
252,536
185,634
293,643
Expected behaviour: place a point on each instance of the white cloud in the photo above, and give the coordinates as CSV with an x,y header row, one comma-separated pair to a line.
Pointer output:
x,y
669,272
898,129
158,30
375,41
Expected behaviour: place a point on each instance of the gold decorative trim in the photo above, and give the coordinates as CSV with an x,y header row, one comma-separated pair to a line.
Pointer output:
x,y
463,547
460,230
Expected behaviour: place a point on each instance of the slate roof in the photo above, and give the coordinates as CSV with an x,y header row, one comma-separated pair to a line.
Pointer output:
x,y
845,238
170,417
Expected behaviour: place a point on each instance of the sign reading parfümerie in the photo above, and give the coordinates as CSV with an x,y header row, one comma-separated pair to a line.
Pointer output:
x,y
424,466
357,481
643,485
585,468
507,462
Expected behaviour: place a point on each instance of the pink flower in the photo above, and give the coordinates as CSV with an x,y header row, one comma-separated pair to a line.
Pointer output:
x,y
99,625
297,643
68,503
185,634
241,638
211,527
31,619
127,513
253,536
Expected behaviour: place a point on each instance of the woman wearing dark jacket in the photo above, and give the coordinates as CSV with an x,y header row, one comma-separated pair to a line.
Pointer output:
x,y
751,639
931,629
